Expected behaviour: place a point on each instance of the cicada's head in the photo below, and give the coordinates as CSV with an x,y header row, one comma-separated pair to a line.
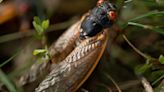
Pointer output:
x,y
100,17
109,9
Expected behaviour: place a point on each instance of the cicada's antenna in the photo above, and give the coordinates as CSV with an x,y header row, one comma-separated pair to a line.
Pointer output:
x,y
99,2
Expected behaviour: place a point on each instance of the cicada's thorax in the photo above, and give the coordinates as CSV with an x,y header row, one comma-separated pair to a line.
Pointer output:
x,y
100,17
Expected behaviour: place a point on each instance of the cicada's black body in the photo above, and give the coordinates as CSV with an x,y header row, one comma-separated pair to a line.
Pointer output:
x,y
100,17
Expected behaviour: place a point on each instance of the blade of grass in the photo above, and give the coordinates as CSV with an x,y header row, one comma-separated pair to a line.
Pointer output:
x,y
16,35
153,28
8,60
113,81
149,14
4,79
158,79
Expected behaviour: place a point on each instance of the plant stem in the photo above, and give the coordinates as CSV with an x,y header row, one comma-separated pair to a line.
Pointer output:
x,y
146,85
108,76
135,49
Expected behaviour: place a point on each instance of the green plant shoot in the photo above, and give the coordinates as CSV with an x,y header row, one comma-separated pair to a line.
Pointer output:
x,y
40,26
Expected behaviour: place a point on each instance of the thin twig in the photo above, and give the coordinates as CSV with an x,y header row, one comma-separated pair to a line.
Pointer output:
x,y
108,76
122,86
146,85
127,84
135,49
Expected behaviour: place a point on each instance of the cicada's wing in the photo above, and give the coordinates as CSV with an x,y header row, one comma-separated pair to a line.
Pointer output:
x,y
65,44
34,76
69,75
58,51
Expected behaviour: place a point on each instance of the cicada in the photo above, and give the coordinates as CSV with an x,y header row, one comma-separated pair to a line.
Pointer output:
x,y
77,52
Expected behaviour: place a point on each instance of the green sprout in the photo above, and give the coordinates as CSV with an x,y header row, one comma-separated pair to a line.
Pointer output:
x,y
40,26
161,59
42,54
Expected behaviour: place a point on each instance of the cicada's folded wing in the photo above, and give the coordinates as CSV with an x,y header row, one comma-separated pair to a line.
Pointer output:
x,y
65,44
34,76
58,51
69,75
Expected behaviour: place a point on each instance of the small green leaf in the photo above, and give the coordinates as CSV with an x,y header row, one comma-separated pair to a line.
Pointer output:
x,y
161,59
45,24
142,68
44,58
38,28
43,55
39,51
37,20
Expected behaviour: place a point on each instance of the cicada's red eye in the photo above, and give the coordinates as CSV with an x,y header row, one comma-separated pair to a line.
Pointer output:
x,y
99,2
112,15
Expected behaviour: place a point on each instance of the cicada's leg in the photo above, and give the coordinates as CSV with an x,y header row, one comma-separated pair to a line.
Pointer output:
x,y
70,74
